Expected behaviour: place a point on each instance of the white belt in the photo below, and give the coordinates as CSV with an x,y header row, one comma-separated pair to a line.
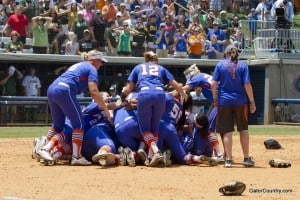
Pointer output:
x,y
147,88
63,84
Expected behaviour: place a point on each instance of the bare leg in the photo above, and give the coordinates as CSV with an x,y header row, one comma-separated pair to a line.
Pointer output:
x,y
244,139
227,141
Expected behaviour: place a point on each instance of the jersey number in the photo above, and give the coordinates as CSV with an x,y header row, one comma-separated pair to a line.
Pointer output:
x,y
176,112
150,70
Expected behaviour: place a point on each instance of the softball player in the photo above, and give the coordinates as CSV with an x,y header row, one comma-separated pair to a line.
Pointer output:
x,y
63,103
195,78
168,136
99,141
149,78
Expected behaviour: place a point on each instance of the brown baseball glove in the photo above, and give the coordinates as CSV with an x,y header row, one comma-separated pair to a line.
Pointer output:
x,y
235,188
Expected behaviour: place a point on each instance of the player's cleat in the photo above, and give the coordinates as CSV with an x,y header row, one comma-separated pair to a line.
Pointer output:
x,y
45,154
248,162
129,157
34,153
123,158
104,158
213,161
167,158
220,158
81,161
228,164
142,155
38,145
156,159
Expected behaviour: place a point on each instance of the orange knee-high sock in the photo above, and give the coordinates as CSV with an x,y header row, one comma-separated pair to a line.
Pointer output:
x,y
77,137
150,141
51,133
214,143
60,150
58,138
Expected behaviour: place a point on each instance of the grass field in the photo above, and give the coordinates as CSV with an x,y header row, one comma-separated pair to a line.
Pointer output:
x,y
28,132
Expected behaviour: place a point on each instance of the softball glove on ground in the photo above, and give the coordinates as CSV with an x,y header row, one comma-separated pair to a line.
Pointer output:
x,y
235,188
272,144
279,163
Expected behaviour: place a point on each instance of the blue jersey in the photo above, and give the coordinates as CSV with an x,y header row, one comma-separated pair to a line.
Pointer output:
x,y
173,110
93,115
150,75
78,75
204,81
181,45
231,78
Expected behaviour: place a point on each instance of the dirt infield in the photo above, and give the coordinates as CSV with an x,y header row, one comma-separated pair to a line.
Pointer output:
x,y
23,178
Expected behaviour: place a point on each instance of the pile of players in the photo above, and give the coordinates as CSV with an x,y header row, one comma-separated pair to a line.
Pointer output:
x,y
152,124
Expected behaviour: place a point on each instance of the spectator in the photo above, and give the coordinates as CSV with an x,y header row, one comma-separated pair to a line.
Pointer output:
x,y
181,42
221,37
31,84
224,23
97,28
111,39
170,8
252,17
230,87
196,43
132,20
29,9
86,44
55,26
171,29
18,22
88,10
235,21
72,45
119,20
62,13
287,19
125,34
152,29
195,25
44,7
263,10
124,12
109,11
79,25
212,48
14,45
58,42
162,40
194,8
73,14
215,6
40,27
10,82
139,40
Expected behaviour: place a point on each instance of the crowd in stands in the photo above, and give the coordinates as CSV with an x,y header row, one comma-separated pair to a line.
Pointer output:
x,y
171,28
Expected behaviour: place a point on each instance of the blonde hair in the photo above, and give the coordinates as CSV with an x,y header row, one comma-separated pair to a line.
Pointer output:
x,y
87,55
72,35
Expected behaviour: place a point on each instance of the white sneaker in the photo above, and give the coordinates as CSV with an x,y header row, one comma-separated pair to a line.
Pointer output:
x,y
123,159
104,159
33,152
142,155
45,154
130,157
81,161
156,159
167,158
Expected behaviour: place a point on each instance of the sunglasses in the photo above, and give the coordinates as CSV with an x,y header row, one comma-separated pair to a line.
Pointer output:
x,y
125,25
139,22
